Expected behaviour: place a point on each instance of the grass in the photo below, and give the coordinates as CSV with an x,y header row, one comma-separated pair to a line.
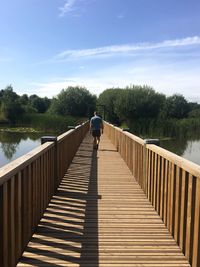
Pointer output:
x,y
48,123
167,129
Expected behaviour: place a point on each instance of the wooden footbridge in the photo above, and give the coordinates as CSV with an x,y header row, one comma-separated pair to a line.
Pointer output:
x,y
128,204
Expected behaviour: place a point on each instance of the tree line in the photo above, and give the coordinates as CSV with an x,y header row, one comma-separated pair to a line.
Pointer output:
x,y
149,113
137,102
118,105
13,106
73,101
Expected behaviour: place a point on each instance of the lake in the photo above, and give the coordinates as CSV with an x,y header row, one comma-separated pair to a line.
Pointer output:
x,y
188,149
14,145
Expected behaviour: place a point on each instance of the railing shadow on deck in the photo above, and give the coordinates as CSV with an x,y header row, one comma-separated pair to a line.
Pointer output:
x,y
69,228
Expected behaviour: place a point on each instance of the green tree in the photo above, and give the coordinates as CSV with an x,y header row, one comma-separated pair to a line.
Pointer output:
x,y
39,104
195,113
74,101
10,104
24,99
131,103
106,104
176,106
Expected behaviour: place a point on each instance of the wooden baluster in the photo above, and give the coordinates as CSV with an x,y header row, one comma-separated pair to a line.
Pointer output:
x,y
172,202
18,216
4,225
165,191
158,185
155,180
162,188
177,205
1,226
149,175
184,191
196,232
169,189
24,207
152,177
11,222
190,217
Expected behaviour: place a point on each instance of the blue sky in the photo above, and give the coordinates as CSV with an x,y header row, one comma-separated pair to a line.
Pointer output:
x,y
47,45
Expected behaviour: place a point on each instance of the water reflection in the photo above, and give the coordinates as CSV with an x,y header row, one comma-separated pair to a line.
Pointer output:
x,y
180,141
9,149
184,147
192,151
175,145
14,145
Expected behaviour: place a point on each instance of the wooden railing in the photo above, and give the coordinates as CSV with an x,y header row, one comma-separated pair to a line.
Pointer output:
x,y
171,183
26,187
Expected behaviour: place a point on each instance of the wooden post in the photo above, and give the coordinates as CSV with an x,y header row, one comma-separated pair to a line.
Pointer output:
x,y
145,176
45,139
145,156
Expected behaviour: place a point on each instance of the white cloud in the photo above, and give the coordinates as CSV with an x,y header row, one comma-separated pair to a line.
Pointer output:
x,y
167,70
169,81
68,7
126,49
165,78
50,89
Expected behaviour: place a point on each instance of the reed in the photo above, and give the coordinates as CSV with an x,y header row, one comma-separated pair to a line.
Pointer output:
x,y
47,122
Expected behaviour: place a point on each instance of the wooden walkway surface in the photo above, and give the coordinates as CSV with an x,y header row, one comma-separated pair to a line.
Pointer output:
x,y
101,217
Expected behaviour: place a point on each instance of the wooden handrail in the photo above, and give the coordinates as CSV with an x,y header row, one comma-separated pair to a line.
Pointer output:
x,y
181,162
12,168
171,183
26,187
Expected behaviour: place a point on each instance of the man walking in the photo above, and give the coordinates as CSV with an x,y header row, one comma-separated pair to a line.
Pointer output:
x,y
96,128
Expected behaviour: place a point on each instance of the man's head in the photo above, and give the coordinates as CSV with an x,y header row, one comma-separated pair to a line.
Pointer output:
x,y
95,113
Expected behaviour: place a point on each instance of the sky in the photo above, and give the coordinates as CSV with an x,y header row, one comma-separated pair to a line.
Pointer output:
x,y
47,45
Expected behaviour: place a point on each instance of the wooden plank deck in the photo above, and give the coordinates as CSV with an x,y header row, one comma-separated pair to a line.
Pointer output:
x,y
101,218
